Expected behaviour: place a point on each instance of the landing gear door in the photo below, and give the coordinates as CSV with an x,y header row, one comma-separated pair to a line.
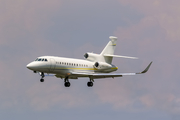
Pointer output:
x,y
52,64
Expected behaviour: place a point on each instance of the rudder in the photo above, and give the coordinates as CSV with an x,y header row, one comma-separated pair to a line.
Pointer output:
x,y
109,49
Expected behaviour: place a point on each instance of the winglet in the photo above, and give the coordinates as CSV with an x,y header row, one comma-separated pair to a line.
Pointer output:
x,y
147,68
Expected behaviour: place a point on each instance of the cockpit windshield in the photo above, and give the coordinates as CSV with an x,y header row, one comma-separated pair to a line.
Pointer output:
x,y
41,59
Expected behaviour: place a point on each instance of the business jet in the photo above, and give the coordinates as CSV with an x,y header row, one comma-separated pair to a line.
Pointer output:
x,y
94,66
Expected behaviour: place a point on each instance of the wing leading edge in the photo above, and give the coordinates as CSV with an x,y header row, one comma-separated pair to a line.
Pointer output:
x,y
107,75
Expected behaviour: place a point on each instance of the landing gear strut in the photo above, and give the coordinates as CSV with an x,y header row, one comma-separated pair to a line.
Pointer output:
x,y
42,76
90,83
66,82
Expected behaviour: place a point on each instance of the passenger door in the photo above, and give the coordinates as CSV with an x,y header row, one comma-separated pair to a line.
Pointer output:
x,y
52,64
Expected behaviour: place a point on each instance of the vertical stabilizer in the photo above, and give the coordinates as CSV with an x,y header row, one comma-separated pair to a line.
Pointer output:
x,y
109,49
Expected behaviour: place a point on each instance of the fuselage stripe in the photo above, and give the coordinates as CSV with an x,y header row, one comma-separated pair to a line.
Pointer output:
x,y
82,68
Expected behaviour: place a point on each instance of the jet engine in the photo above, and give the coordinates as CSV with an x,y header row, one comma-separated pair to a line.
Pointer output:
x,y
92,57
102,65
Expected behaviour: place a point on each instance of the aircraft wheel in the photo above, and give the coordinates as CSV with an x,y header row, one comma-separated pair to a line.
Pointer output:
x,y
90,84
67,84
41,80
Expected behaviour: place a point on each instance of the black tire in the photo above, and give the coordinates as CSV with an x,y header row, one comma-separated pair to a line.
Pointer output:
x,y
41,80
90,84
67,84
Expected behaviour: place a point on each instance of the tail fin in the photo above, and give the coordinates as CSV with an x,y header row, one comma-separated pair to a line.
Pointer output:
x,y
109,49
107,54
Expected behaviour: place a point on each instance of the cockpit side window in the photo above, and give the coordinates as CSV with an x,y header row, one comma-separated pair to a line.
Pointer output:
x,y
36,59
41,59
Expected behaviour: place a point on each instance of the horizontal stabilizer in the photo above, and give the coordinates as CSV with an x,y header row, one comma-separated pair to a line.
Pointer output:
x,y
108,55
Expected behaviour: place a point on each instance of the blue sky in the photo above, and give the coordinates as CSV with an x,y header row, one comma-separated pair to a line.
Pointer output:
x,y
146,29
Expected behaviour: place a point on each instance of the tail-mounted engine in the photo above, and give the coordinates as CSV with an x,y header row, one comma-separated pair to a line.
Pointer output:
x,y
102,65
92,57
96,57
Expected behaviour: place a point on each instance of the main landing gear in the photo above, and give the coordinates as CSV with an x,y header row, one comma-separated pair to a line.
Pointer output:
x,y
90,83
42,77
66,82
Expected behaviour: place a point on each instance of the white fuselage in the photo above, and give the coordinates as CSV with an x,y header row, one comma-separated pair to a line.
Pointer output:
x,y
64,66
95,66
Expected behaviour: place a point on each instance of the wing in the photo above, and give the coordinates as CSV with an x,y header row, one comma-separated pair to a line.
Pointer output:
x,y
107,75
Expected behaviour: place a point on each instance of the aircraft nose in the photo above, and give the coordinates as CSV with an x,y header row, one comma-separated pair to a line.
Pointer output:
x,y
31,66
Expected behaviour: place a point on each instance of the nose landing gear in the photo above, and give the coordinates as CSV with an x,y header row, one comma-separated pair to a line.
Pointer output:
x,y
42,76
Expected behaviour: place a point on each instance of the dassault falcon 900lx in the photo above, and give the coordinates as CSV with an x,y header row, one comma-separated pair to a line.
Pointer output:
x,y
94,66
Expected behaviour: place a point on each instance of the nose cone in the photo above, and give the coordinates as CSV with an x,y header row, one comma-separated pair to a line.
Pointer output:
x,y
31,66
37,66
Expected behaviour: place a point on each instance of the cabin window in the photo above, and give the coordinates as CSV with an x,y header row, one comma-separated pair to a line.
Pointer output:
x,y
59,62
67,63
46,60
36,59
42,59
39,60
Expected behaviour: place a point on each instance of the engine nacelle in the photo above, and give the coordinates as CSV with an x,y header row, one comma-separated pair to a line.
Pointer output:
x,y
92,56
102,65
